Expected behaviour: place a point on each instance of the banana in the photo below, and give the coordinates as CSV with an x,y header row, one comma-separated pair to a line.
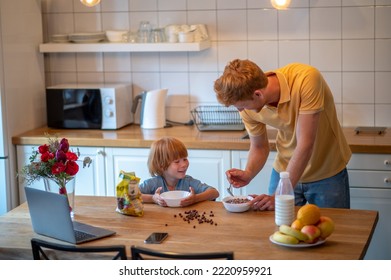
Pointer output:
x,y
293,232
283,238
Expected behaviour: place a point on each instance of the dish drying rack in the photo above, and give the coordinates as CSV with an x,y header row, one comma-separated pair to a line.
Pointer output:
x,y
217,118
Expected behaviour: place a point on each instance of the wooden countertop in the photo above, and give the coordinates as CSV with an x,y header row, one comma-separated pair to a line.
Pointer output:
x,y
246,234
132,136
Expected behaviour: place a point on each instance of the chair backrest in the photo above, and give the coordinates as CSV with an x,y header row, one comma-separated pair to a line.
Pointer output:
x,y
44,250
141,253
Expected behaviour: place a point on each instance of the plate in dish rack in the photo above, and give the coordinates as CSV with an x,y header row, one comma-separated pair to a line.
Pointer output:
x,y
300,245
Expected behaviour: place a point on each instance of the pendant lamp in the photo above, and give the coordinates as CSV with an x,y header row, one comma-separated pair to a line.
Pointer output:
x,y
90,3
280,4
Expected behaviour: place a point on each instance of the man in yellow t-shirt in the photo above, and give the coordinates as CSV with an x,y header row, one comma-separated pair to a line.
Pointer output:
x,y
296,100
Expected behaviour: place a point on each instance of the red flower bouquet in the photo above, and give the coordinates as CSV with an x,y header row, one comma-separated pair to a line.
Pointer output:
x,y
53,161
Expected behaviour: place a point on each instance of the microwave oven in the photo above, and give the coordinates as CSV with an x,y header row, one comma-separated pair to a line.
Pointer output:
x,y
89,106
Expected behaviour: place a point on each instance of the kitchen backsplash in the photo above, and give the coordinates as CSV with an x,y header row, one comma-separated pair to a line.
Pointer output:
x,y
349,41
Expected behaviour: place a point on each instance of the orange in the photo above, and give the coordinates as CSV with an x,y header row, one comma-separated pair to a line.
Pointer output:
x,y
308,214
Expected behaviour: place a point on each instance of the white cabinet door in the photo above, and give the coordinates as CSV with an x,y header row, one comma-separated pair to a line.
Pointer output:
x,y
260,183
89,181
370,189
208,166
128,160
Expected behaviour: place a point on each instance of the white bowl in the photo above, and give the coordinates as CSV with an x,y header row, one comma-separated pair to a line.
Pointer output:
x,y
236,207
116,35
173,198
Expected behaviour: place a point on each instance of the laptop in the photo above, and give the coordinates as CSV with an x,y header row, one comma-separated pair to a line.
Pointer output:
x,y
50,216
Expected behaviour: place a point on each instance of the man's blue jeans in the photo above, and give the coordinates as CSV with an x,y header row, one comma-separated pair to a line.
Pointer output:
x,y
332,192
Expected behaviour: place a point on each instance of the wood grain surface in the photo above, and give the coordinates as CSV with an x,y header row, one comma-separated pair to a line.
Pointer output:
x,y
246,234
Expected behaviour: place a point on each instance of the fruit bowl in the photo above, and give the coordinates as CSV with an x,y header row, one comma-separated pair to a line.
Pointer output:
x,y
237,203
173,198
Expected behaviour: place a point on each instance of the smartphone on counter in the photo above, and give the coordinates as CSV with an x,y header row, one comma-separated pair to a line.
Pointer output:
x,y
156,238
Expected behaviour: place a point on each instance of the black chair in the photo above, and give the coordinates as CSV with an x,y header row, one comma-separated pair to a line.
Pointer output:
x,y
60,251
139,253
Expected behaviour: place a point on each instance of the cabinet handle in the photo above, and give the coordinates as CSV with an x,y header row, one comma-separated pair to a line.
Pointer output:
x,y
101,152
387,180
387,162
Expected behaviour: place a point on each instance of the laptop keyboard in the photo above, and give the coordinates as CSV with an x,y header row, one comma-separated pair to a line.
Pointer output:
x,y
80,235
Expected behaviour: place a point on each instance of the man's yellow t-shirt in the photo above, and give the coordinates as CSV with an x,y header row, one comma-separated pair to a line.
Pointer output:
x,y
303,91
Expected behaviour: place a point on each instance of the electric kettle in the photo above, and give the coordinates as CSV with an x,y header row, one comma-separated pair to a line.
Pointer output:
x,y
153,108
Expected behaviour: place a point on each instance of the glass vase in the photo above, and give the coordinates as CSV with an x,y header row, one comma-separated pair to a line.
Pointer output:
x,y
63,187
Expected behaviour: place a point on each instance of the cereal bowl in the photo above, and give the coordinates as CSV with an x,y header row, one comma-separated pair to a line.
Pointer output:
x,y
173,198
237,203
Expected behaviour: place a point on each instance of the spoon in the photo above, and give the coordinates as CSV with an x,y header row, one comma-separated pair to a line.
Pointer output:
x,y
229,189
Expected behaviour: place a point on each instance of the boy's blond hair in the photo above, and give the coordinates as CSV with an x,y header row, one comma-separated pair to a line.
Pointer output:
x,y
239,81
163,152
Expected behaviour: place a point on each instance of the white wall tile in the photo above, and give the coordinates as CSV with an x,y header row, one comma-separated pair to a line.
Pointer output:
x,y
383,21
201,87
358,22
62,62
145,62
358,115
174,62
90,77
57,6
262,24
382,88
142,5
358,92
230,50
203,61
338,108
170,81
145,82
326,55
115,21
88,22
321,27
251,4
334,81
114,6
383,54
383,115
171,5
59,78
116,62
358,2
117,77
325,3
201,4
358,55
264,54
89,62
293,24
231,4
231,25
293,51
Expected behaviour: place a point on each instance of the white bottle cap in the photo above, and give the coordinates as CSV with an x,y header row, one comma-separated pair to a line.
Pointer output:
x,y
284,175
